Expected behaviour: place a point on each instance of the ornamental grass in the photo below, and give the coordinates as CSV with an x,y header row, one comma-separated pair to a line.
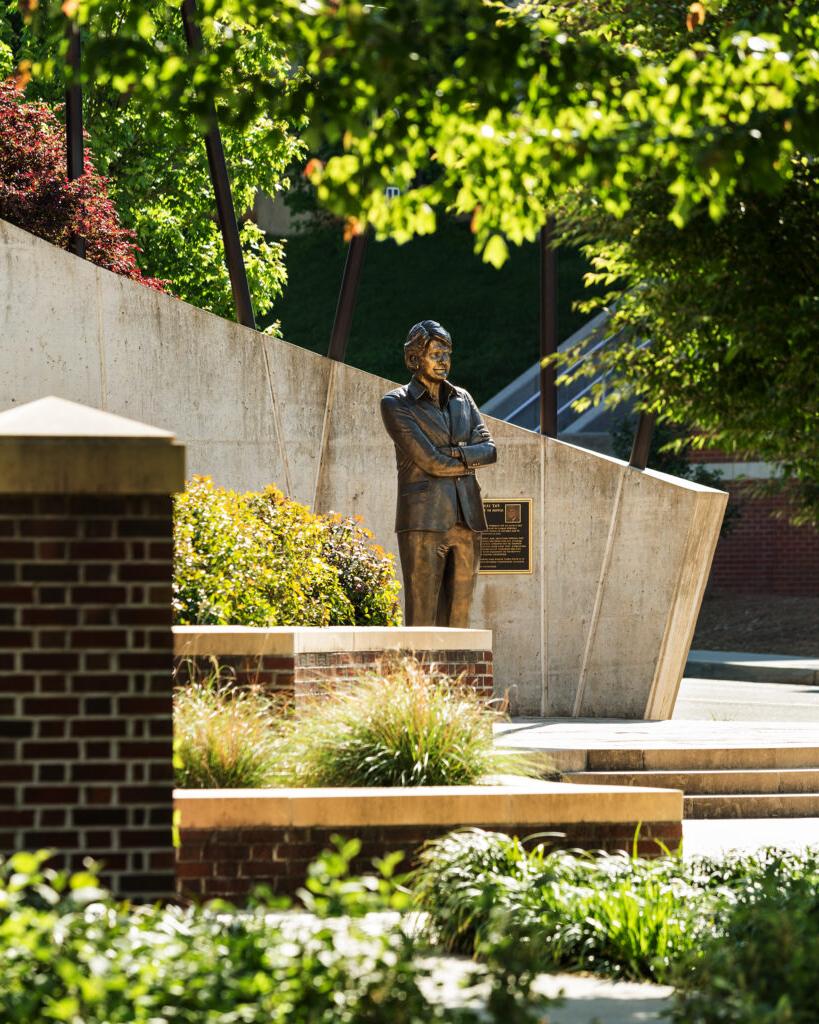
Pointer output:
x,y
224,737
402,727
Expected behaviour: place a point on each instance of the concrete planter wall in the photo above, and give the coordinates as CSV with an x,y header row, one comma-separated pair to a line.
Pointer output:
x,y
299,661
233,840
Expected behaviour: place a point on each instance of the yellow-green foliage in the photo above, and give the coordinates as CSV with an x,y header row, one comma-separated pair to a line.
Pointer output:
x,y
259,559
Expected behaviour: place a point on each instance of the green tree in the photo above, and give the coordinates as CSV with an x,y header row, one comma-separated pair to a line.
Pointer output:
x,y
154,153
730,305
677,139
676,143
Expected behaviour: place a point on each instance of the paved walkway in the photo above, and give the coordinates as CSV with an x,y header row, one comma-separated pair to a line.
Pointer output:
x,y
714,714
584,1000
743,701
709,713
567,734
597,1001
762,668
715,837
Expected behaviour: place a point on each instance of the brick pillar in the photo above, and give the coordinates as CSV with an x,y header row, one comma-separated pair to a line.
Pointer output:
x,y
86,649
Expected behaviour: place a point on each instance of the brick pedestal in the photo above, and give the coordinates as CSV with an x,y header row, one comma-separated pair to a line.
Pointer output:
x,y
299,676
85,641
298,662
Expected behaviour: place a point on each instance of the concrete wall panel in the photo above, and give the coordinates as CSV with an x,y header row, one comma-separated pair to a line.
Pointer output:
x,y
55,352
357,474
298,381
620,558
581,489
514,603
635,608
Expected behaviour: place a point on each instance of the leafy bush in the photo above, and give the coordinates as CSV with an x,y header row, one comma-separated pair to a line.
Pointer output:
x,y
401,728
35,193
747,924
366,571
259,559
612,914
760,964
69,952
224,737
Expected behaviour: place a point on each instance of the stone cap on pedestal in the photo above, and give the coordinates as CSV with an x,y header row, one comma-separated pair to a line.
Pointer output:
x,y
53,446
205,641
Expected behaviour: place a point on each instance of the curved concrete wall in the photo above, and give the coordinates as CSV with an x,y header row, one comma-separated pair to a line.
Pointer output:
x,y
602,626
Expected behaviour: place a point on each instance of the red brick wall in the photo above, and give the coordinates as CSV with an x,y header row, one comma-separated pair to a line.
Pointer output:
x,y
763,554
305,674
229,863
85,697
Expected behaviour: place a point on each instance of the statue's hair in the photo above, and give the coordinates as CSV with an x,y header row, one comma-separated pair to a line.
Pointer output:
x,y
420,337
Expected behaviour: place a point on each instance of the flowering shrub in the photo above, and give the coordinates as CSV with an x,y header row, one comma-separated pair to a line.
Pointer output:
x,y
35,193
259,559
365,570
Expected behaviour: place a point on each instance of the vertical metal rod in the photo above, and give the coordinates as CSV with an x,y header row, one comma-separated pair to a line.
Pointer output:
x,y
220,180
642,440
75,161
548,330
350,280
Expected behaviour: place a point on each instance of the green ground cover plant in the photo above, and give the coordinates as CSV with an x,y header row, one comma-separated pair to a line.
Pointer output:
x,y
759,964
260,559
662,920
613,915
399,727
69,952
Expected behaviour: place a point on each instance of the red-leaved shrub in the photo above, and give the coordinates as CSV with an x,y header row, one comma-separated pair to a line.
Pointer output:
x,y
35,193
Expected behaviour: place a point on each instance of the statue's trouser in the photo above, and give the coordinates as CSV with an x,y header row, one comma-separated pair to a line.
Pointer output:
x,y
439,575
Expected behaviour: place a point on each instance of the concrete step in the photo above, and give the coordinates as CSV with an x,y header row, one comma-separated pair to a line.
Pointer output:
x,y
753,805
695,758
711,783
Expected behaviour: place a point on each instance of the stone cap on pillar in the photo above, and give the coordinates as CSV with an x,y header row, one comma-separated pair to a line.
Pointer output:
x,y
53,446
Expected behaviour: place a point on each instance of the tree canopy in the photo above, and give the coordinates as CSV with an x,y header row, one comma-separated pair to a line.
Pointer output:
x,y
676,140
480,106
152,150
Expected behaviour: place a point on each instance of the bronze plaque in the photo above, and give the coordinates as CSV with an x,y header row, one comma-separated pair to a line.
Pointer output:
x,y
506,546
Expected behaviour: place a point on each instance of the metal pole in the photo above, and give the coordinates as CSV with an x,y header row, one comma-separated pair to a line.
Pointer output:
x,y
548,330
642,440
221,186
350,280
73,123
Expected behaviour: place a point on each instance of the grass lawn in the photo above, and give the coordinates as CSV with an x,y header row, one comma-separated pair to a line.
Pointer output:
x,y
491,314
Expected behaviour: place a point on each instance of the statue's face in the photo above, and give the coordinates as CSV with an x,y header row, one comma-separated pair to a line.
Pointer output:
x,y
434,364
